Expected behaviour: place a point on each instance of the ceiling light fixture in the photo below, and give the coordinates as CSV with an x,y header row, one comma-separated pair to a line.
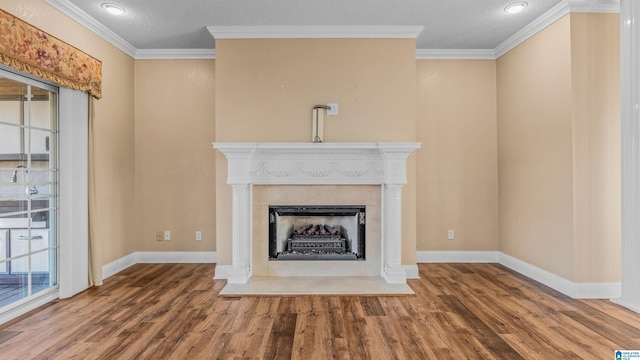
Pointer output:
x,y
515,7
113,8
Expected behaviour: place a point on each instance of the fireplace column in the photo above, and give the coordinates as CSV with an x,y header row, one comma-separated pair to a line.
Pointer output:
x,y
240,271
240,181
392,270
395,168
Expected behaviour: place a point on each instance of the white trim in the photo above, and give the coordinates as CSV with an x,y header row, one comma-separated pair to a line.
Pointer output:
x,y
586,290
576,290
20,308
314,32
458,256
160,257
205,257
336,32
118,265
537,25
222,272
630,151
74,12
412,271
456,54
175,54
629,305
595,6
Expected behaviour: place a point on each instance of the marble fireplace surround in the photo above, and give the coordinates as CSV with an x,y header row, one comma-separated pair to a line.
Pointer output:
x,y
254,163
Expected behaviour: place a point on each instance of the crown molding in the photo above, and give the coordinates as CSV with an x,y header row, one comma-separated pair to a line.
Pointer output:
x,y
175,54
595,6
533,28
314,32
92,24
551,16
337,32
455,54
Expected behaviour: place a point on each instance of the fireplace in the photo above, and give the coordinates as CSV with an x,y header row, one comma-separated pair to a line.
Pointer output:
x,y
263,174
317,232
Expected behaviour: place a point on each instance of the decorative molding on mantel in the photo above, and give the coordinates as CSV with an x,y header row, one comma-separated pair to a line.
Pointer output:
x,y
315,32
316,164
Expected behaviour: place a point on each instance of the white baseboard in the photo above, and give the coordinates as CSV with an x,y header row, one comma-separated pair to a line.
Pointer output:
x,y
576,290
412,271
114,267
222,272
205,257
622,302
118,265
457,256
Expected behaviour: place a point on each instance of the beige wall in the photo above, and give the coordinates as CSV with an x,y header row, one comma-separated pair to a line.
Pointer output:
x,y
548,109
265,90
114,126
558,149
595,66
174,128
534,150
457,168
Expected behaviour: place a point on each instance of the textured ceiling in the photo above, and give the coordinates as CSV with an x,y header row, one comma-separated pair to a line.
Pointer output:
x,y
181,24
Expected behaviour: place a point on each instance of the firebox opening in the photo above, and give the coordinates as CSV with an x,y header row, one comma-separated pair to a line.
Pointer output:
x,y
317,232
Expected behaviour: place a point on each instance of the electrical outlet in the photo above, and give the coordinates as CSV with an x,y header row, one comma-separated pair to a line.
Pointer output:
x,y
159,236
450,235
167,235
198,235
333,109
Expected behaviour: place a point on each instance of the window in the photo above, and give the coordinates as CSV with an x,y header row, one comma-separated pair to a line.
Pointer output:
x,y
28,189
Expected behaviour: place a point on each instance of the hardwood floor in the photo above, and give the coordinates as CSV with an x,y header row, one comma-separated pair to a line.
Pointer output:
x,y
460,311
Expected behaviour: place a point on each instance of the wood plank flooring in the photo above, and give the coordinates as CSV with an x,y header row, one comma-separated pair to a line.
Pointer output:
x,y
460,311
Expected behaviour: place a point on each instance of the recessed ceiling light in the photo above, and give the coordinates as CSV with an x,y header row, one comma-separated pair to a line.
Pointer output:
x,y
113,8
515,7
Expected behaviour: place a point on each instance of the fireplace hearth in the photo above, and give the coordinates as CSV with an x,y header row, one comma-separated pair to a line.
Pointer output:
x,y
317,232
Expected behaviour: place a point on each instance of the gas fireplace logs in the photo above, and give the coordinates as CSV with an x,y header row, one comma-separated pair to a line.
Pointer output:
x,y
316,240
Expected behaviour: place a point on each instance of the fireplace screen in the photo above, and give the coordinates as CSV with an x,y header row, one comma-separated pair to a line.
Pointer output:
x,y
317,232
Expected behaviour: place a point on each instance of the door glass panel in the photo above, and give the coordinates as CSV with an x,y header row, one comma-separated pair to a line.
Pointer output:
x,y
28,187
10,137
14,286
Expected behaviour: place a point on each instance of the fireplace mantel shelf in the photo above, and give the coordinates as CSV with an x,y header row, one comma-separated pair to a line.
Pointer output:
x,y
375,163
317,163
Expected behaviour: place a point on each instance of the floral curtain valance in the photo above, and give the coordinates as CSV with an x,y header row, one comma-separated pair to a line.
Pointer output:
x,y
30,49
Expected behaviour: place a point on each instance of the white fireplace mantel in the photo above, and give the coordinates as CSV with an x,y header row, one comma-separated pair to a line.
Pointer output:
x,y
252,163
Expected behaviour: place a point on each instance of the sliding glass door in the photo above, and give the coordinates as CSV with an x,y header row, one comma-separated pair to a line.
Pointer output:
x,y
28,189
